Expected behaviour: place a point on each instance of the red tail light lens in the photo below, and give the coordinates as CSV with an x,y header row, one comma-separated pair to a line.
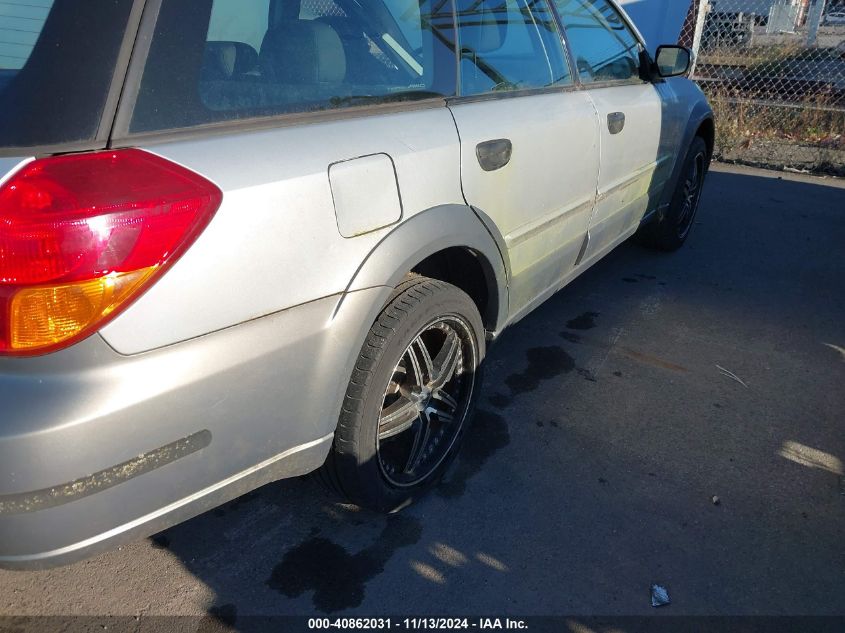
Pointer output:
x,y
82,236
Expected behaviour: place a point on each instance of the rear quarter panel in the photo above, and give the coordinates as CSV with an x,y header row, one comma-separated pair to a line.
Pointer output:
x,y
275,242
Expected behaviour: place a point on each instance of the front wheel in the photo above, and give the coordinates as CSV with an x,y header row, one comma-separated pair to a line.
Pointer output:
x,y
671,231
410,397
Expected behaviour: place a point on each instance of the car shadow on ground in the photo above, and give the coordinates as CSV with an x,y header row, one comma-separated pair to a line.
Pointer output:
x,y
666,418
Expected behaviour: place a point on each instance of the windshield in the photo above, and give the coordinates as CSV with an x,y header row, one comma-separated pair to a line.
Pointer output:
x,y
57,58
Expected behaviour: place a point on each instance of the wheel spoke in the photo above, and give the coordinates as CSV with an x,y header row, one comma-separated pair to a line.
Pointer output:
x,y
695,178
446,399
447,360
692,190
397,418
419,445
421,361
442,416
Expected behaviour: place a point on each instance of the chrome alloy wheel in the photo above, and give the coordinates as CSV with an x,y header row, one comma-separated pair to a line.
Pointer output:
x,y
693,182
426,401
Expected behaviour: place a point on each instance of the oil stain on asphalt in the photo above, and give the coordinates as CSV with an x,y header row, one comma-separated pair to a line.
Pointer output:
x,y
544,363
586,321
487,435
338,578
569,336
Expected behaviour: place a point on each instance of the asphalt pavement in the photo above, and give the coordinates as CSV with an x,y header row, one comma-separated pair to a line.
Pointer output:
x,y
668,418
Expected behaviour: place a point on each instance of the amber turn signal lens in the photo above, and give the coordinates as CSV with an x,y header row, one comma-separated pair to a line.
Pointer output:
x,y
48,315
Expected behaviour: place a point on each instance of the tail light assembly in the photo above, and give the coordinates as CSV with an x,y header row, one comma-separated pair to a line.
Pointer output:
x,y
83,236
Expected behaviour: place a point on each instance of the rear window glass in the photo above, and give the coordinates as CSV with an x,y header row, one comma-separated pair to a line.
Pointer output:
x,y
57,59
223,60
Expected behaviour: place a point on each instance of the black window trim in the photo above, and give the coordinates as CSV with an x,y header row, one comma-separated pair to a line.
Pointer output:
x,y
124,58
132,81
570,58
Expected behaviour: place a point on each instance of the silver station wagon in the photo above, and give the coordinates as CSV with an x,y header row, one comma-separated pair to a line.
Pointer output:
x,y
248,240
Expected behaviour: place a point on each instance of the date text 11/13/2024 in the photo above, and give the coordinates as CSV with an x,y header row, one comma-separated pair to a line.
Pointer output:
x,y
430,624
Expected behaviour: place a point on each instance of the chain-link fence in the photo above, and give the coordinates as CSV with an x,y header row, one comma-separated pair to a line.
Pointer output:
x,y
774,71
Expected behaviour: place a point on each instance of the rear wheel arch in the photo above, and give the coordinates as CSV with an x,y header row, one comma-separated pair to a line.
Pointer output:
x,y
448,243
471,272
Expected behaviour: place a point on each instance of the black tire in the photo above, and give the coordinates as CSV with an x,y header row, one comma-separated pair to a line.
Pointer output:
x,y
397,376
671,231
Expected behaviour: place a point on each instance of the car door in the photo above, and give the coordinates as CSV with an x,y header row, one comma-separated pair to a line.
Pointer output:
x,y
529,140
634,164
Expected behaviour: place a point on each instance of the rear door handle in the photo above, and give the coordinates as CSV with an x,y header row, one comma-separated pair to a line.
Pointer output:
x,y
495,154
616,122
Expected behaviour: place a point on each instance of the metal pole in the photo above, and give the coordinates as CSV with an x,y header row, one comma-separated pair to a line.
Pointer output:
x,y
703,8
816,13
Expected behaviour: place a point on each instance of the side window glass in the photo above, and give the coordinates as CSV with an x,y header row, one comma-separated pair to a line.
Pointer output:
x,y
221,60
603,46
406,15
509,45
367,58
244,23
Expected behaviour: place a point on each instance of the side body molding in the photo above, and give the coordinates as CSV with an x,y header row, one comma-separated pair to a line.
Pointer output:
x,y
423,235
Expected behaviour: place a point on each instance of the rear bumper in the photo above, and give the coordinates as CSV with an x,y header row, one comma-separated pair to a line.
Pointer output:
x,y
98,448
